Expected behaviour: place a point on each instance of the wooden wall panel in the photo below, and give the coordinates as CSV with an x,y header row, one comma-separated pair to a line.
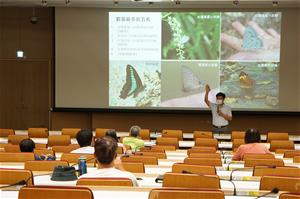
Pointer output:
x,y
71,120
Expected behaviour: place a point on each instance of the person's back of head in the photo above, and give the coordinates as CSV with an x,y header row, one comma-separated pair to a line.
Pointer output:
x,y
135,131
84,138
252,136
27,145
112,133
105,150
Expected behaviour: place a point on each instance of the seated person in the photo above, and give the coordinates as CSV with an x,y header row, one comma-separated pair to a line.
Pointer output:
x,y
133,141
108,166
28,145
84,139
113,134
252,145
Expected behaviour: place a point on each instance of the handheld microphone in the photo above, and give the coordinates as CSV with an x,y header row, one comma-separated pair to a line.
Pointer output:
x,y
273,191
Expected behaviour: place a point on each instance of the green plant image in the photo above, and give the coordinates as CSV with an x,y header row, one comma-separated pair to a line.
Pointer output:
x,y
191,36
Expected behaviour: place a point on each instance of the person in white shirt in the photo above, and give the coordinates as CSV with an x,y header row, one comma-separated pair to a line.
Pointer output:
x,y
221,113
84,139
108,165
113,134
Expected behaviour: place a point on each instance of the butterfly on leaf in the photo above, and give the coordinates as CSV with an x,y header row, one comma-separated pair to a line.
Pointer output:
x,y
133,85
251,40
190,82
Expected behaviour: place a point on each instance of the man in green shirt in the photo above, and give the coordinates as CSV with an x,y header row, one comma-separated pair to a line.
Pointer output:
x,y
133,140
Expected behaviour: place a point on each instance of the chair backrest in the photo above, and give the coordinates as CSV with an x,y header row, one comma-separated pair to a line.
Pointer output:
x,y
208,142
12,176
263,162
65,149
134,167
16,157
73,157
59,140
147,160
163,147
191,181
282,144
40,152
44,165
105,182
204,161
120,150
275,171
202,150
12,148
202,134
281,183
168,141
100,132
6,132
16,139
172,133
38,132
196,169
72,132
153,154
167,193
277,136
205,155
152,149
40,146
145,134
236,143
296,159
237,135
57,192
289,196
291,153
258,156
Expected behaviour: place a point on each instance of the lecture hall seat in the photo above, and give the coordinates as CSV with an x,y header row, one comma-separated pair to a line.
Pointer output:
x,y
204,161
197,169
59,140
171,133
38,132
6,132
290,184
277,171
12,176
104,182
147,160
167,141
72,132
277,136
206,142
44,165
202,134
263,162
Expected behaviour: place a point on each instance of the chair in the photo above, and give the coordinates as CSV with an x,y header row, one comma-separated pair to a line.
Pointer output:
x,y
16,157
38,132
40,146
57,192
134,167
276,171
105,182
197,169
165,148
120,150
12,148
167,141
12,176
258,156
59,140
145,134
204,161
277,136
40,152
263,162
281,183
205,155
100,132
203,134
296,159
173,193
154,154
73,157
237,135
202,150
72,132
44,165
65,149
16,139
289,196
282,144
147,160
152,149
6,132
206,142
172,133
191,181
291,153
236,143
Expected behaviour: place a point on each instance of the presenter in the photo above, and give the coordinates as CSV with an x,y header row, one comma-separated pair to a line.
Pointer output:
x,y
221,113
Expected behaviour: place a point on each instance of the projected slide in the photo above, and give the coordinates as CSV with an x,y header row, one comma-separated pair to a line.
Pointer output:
x,y
165,59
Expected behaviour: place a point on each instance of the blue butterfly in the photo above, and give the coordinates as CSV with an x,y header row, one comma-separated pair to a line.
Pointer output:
x,y
251,41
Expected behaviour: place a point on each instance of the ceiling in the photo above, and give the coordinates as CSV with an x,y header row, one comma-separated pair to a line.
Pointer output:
x,y
154,3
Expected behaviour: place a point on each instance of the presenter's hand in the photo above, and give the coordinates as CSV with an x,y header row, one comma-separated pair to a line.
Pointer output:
x,y
207,88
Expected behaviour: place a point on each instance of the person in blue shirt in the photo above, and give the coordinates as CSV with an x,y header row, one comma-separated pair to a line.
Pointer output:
x,y
28,145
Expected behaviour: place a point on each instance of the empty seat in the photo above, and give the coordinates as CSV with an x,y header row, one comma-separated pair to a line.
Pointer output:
x,y
165,148
147,160
258,156
12,176
277,136
16,139
205,155
204,161
289,196
44,165
73,157
282,144
6,132
281,183
296,159
65,149
134,167
154,154
196,169
291,153
59,140
275,171
38,132
263,162
167,141
152,149
237,135
202,134
105,182
16,157
206,142
12,148
202,150
236,143
100,132
172,133
72,132
145,134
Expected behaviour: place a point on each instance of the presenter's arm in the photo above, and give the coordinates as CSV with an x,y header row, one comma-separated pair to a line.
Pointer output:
x,y
227,117
207,90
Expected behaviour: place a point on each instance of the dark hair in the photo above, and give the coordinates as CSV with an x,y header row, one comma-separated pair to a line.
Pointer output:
x,y
135,131
27,145
252,136
112,133
105,150
84,138
220,94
